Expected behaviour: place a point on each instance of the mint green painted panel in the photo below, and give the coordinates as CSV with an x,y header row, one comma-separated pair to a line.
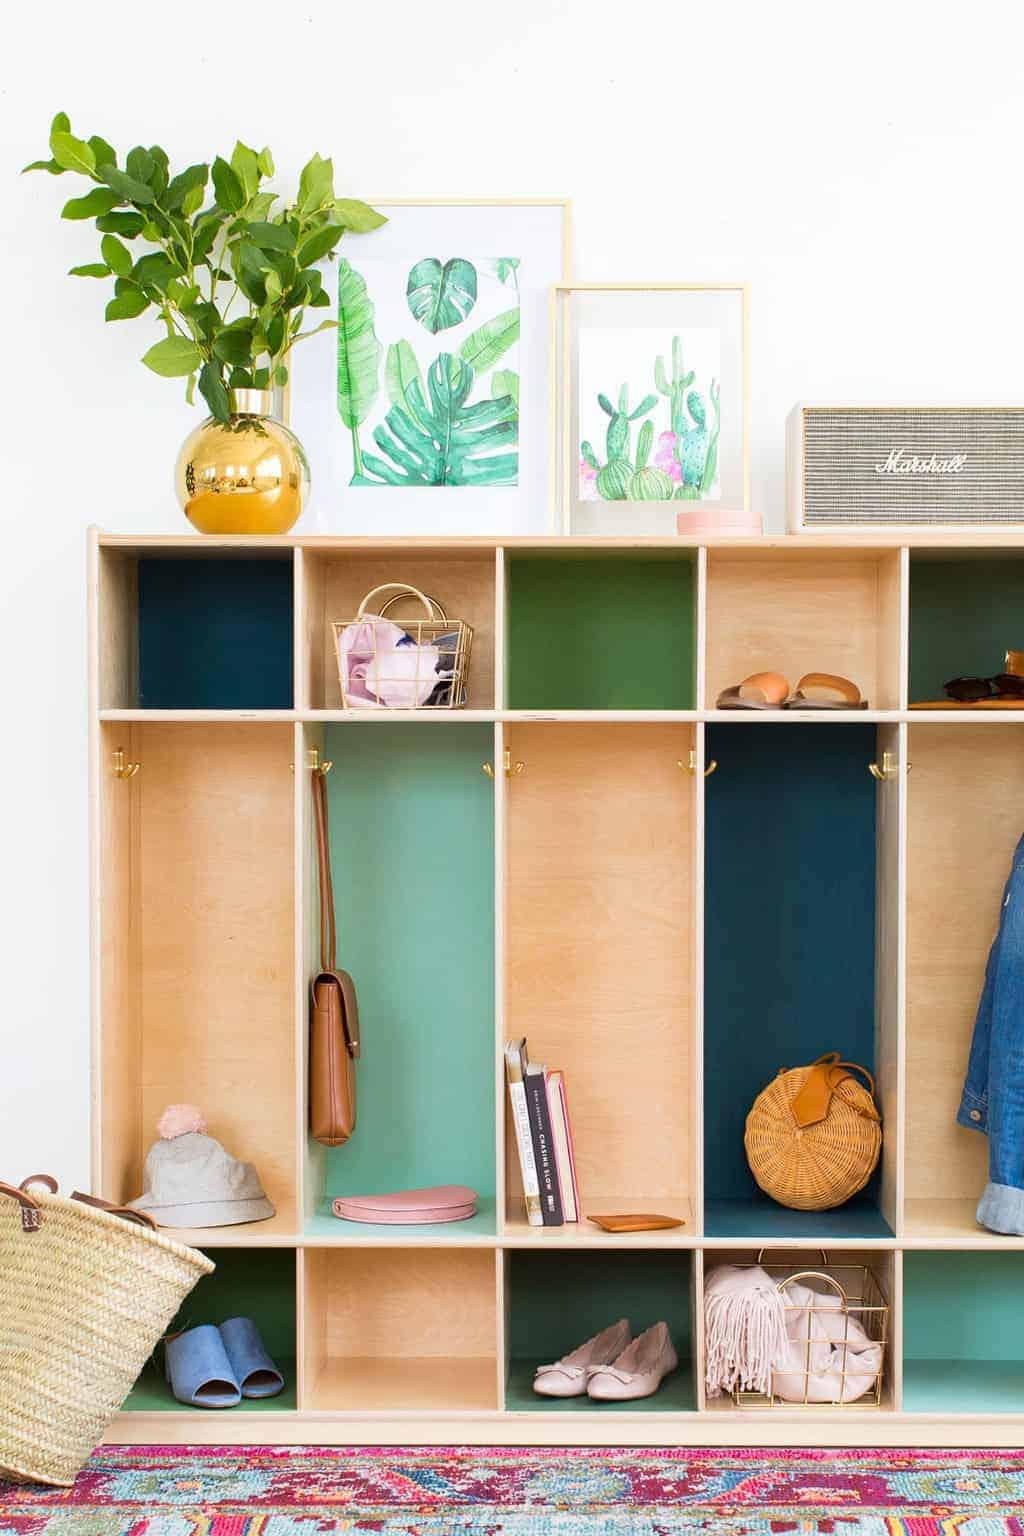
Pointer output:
x,y
412,848
963,1386
558,1299
963,1305
601,633
964,616
260,1285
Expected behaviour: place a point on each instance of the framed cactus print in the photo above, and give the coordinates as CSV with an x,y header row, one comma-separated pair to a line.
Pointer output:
x,y
434,417
651,431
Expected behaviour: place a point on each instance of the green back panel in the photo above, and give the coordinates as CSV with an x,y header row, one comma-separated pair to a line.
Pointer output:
x,y
963,1306
964,616
558,1299
260,1285
601,634
412,849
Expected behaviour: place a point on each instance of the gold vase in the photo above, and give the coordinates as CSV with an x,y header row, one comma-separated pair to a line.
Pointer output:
x,y
247,475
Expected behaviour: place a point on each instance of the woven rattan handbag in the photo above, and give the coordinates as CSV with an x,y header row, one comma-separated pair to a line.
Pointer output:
x,y
814,1135
84,1298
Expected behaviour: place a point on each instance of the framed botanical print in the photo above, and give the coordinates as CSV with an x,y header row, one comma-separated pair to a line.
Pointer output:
x,y
433,415
651,430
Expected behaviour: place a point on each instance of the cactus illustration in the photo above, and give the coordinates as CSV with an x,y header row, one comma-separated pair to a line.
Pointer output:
x,y
697,446
675,388
648,483
615,476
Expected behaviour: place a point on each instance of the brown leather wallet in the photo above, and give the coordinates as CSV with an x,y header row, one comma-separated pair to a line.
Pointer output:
x,y
637,1223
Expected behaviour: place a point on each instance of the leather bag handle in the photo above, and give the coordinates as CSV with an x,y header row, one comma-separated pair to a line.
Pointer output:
x,y
30,1212
811,1105
328,932
126,1212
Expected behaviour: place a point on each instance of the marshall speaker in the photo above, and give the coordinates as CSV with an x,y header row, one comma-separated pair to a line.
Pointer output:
x,y
862,467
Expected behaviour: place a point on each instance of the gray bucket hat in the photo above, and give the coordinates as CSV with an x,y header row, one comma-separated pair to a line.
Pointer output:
x,y
191,1181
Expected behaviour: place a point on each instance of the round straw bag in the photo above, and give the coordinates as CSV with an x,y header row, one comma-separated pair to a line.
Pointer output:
x,y
814,1135
85,1295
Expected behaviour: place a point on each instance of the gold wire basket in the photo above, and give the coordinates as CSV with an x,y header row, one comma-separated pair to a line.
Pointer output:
x,y
861,1298
377,670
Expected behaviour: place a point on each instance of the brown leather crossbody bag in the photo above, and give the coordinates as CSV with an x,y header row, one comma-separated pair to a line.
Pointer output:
x,y
334,1013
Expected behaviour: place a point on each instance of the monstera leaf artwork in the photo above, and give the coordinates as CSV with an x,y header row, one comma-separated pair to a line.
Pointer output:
x,y
440,297
437,437
450,418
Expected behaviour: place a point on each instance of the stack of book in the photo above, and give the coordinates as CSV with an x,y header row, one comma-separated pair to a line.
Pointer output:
x,y
540,1114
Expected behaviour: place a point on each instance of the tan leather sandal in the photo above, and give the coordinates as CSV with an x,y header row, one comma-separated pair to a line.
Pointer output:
x,y
761,690
825,690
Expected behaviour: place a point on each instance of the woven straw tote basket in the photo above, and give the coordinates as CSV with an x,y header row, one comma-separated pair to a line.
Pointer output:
x,y
814,1135
84,1297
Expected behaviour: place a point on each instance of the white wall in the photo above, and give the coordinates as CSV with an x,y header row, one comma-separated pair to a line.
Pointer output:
x,y
859,164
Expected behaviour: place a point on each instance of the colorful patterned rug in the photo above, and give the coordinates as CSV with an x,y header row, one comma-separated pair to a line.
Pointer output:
x,y
281,1491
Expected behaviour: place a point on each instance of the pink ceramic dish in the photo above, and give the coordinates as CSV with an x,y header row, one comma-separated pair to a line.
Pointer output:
x,y
409,1207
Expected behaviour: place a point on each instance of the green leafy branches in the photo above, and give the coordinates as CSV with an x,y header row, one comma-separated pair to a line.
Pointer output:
x,y
195,246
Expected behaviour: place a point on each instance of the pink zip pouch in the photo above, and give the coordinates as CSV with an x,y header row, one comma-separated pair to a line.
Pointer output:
x,y
409,1207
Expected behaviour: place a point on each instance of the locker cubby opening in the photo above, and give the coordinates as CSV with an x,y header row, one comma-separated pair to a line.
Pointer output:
x,y
797,611
790,948
264,1290
845,1265
965,814
200,631
462,581
558,1298
600,954
400,1329
966,611
963,1332
601,632
412,852
196,936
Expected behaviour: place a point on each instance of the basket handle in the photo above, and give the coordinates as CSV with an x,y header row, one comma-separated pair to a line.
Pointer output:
x,y
814,1274
30,1212
141,1218
402,589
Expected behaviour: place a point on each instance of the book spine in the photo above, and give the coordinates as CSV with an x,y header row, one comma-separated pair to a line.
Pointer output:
x,y
543,1148
524,1141
571,1148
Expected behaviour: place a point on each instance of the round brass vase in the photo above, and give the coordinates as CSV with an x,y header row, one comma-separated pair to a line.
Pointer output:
x,y
247,475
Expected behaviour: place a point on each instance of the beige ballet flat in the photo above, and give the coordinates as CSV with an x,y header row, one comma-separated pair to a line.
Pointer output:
x,y
638,1371
568,1377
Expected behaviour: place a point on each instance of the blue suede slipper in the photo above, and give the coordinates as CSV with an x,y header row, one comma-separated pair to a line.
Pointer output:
x,y
256,1373
199,1370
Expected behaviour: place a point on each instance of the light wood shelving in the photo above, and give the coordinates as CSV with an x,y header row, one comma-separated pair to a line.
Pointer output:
x,y
669,939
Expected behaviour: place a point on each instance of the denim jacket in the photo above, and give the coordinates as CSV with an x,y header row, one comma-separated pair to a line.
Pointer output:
x,y
993,1096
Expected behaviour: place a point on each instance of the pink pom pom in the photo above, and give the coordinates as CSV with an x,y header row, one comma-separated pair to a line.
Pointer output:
x,y
179,1120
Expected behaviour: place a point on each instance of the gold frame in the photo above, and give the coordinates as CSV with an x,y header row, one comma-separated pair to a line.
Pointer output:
x,y
560,506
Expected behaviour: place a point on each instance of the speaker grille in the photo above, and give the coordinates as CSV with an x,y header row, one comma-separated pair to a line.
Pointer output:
x,y
922,478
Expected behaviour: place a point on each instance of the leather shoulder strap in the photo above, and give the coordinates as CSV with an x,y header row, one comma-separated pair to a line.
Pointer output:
x,y
328,935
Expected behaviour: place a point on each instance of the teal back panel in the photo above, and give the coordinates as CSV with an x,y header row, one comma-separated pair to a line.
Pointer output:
x,y
412,848
244,1284
561,1298
963,1306
964,616
789,919
601,634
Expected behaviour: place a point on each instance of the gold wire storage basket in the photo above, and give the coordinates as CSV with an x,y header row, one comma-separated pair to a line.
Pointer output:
x,y
861,1298
379,670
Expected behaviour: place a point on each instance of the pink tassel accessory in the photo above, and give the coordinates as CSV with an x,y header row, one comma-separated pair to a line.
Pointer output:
x,y
179,1120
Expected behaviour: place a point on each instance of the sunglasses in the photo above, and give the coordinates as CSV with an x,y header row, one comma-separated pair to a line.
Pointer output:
x,y
967,690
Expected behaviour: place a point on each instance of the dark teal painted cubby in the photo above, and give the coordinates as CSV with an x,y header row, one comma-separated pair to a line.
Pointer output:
x,y
215,634
964,616
789,945
412,844
558,1299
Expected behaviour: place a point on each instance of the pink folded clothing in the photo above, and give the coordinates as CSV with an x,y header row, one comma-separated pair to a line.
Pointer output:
x,y
409,1207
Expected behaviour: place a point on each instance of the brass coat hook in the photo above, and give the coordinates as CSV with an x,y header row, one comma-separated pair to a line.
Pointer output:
x,y
122,769
314,763
509,768
691,764
888,768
